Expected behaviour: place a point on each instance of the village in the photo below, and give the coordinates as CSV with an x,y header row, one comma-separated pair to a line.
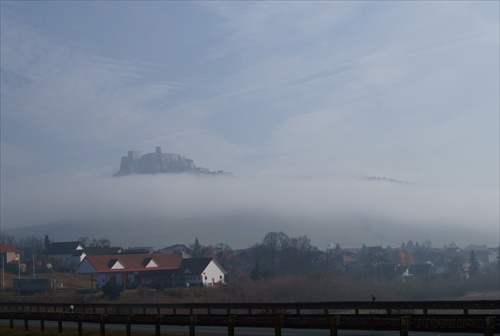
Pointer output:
x,y
31,263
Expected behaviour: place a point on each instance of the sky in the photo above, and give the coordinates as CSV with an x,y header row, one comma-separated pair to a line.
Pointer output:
x,y
301,101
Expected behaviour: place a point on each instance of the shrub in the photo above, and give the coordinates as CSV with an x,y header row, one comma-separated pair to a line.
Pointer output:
x,y
111,290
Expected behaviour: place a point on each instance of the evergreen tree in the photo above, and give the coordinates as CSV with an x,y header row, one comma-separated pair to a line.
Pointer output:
x,y
410,245
46,243
196,247
474,264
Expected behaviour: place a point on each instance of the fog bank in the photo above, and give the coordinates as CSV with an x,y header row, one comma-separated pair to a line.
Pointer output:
x,y
158,210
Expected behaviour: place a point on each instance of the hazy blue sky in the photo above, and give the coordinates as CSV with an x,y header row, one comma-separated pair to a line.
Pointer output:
x,y
300,100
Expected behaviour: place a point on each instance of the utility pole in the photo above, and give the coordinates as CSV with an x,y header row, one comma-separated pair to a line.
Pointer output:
x,y
34,255
3,269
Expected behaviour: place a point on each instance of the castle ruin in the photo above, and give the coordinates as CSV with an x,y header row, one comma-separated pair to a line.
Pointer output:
x,y
158,162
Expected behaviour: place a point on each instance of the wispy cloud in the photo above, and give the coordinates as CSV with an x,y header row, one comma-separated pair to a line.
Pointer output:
x,y
299,100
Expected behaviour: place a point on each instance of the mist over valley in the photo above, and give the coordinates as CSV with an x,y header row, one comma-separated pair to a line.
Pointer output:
x,y
164,209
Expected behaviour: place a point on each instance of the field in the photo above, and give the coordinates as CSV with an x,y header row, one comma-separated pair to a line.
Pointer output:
x,y
309,288
69,281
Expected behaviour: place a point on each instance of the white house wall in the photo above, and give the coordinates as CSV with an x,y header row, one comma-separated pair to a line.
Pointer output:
x,y
212,275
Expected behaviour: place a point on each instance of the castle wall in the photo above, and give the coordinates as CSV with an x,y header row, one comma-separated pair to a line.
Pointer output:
x,y
158,162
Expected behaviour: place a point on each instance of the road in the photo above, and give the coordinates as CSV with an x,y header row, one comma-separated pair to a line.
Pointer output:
x,y
220,331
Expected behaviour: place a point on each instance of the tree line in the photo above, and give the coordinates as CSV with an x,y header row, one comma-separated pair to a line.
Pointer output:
x,y
281,255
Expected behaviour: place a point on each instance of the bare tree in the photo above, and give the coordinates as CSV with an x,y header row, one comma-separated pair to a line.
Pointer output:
x,y
223,252
7,239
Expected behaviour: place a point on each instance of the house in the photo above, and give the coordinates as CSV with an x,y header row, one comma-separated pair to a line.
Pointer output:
x,y
485,257
70,254
103,250
10,257
349,256
138,250
205,272
402,272
178,249
422,271
132,270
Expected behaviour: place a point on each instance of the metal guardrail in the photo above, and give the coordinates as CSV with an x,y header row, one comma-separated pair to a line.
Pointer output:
x,y
469,316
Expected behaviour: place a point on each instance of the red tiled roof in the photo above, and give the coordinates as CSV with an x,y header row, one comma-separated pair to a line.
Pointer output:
x,y
134,262
4,248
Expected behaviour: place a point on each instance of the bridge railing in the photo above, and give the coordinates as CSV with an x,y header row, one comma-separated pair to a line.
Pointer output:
x,y
438,316
355,307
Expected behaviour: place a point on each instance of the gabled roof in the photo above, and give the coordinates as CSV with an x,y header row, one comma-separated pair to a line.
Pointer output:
x,y
5,248
350,251
178,247
420,269
132,262
78,253
103,250
137,250
196,266
348,259
63,248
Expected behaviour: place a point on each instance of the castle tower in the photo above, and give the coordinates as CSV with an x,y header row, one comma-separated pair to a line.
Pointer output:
x,y
158,150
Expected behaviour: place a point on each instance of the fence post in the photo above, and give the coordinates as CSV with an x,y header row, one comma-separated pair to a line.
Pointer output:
x,y
158,325
129,325
26,319
42,322
490,325
278,321
192,322
59,323
103,324
231,321
405,326
80,324
334,325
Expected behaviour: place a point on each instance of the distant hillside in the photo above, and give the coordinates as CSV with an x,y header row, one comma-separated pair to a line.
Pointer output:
x,y
387,179
158,162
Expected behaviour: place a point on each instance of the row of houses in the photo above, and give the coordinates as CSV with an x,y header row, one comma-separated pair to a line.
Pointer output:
x,y
173,265
129,268
169,270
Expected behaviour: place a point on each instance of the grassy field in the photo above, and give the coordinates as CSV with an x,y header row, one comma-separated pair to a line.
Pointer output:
x,y
68,280
276,289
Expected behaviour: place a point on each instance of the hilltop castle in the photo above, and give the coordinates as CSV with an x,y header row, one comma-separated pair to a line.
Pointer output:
x,y
158,162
